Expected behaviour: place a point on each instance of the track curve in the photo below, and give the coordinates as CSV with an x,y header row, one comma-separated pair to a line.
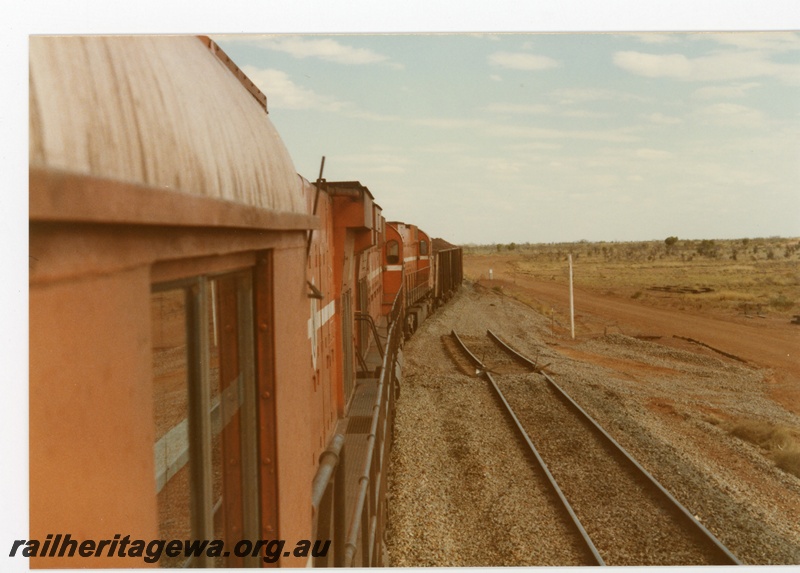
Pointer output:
x,y
632,518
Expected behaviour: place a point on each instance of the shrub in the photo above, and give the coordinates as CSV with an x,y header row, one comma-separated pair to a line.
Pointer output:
x,y
708,248
788,460
781,444
780,302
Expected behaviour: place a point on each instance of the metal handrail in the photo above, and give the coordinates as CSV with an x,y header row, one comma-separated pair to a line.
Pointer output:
x,y
396,306
417,284
367,516
371,321
328,498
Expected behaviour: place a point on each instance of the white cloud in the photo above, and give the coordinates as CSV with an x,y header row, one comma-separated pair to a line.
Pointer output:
x,y
322,48
721,66
502,166
522,61
568,96
495,78
732,115
533,109
770,41
662,119
760,40
654,38
448,148
541,109
376,162
646,153
611,135
724,92
485,36
382,169
371,116
281,92
448,123
585,113
653,65
534,146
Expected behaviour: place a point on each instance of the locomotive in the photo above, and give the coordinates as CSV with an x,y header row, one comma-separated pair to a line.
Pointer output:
x,y
215,341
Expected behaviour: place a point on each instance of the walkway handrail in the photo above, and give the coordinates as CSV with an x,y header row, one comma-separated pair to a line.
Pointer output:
x,y
328,499
367,519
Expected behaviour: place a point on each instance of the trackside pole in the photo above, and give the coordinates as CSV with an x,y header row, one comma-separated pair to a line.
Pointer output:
x,y
571,301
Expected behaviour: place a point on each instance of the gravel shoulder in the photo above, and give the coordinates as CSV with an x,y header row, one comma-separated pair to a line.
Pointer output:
x,y
461,492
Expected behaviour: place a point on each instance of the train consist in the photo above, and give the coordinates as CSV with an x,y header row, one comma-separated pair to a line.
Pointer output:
x,y
215,341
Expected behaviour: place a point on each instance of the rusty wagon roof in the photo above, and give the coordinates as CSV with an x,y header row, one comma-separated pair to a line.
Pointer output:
x,y
161,111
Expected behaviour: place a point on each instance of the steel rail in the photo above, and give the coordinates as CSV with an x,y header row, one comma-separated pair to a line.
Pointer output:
x,y
587,540
677,504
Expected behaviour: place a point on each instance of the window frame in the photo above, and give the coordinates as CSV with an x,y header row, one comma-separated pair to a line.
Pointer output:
x,y
254,317
393,259
423,247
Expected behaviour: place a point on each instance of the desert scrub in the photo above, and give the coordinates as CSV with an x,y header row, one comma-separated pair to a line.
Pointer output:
x,y
781,302
781,443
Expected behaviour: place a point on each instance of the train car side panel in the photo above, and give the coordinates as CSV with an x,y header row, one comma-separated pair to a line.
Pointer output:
x,y
323,321
393,250
92,374
173,274
295,459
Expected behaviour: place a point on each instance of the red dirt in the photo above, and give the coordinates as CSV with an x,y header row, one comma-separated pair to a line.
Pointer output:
x,y
766,343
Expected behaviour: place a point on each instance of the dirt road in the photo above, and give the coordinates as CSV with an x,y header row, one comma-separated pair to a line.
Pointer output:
x,y
758,341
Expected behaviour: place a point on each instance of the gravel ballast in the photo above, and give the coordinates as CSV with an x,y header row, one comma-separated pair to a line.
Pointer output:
x,y
462,491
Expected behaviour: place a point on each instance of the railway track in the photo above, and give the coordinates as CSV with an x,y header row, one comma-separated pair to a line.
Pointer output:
x,y
622,514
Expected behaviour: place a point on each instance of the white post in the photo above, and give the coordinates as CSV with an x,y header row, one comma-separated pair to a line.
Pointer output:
x,y
490,274
571,301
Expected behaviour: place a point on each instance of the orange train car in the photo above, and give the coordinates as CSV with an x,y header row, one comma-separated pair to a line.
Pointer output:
x,y
350,241
206,326
167,234
408,263
393,265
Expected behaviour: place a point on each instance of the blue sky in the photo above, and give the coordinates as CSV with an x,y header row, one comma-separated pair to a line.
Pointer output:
x,y
483,138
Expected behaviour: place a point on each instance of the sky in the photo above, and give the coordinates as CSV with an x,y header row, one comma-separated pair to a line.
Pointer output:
x,y
499,138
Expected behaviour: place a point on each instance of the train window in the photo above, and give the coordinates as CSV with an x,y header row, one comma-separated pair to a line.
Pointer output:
x,y
204,384
423,247
171,408
392,252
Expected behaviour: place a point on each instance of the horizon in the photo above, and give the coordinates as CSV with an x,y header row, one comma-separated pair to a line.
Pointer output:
x,y
584,241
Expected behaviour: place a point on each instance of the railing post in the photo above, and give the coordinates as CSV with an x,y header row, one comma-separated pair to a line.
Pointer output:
x,y
339,509
365,532
328,496
365,553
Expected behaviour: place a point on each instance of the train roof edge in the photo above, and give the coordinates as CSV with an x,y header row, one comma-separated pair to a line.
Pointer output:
x,y
165,112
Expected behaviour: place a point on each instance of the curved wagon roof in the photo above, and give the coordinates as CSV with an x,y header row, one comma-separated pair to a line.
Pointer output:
x,y
166,112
